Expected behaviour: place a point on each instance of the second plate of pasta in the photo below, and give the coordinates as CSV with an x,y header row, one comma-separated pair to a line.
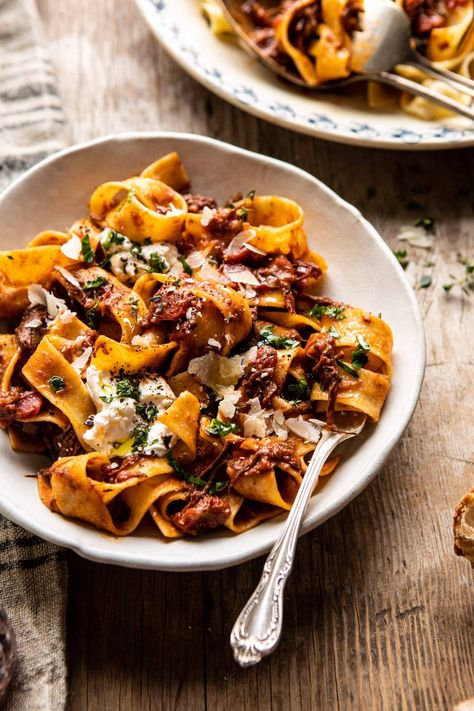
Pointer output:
x,y
367,115
177,337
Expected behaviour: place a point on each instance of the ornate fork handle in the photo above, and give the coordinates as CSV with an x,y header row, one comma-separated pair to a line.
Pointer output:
x,y
257,630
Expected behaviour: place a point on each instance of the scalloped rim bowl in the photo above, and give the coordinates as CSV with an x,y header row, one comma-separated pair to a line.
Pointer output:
x,y
362,271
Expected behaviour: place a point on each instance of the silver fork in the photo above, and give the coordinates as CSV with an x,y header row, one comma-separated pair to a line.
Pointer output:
x,y
383,43
257,631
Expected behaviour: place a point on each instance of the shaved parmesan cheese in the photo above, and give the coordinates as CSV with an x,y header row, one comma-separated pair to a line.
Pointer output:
x,y
34,323
55,307
255,423
228,403
243,276
173,210
249,293
209,273
68,276
176,270
214,344
304,429
241,240
196,259
279,425
415,236
248,356
207,214
216,371
82,360
72,248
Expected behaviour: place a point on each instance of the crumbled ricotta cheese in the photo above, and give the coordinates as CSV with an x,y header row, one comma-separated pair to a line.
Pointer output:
x,y
114,423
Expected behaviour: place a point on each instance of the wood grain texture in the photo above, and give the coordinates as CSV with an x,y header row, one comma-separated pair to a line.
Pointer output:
x,y
379,611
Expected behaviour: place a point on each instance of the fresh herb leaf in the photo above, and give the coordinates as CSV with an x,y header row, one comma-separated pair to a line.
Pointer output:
x,y
348,368
333,332
56,383
218,486
113,237
157,263
221,429
186,267
86,249
147,410
106,398
95,284
359,356
128,388
320,310
401,255
251,194
427,223
140,437
242,214
298,391
181,471
268,338
91,315
425,281
466,281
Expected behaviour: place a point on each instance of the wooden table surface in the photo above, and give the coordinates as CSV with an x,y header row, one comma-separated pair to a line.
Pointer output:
x,y
379,611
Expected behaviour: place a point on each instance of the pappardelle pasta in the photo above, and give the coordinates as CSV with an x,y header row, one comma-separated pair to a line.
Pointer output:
x,y
313,39
174,358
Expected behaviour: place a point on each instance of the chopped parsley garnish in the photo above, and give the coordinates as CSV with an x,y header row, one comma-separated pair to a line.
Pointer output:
x,y
242,214
128,388
86,249
140,437
268,338
427,223
95,284
91,315
299,390
425,281
112,238
359,356
466,281
56,383
401,256
251,194
181,472
221,429
147,410
157,263
333,332
320,310
218,486
186,266
348,368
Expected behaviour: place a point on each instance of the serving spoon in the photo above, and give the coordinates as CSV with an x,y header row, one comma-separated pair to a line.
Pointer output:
x,y
257,631
383,42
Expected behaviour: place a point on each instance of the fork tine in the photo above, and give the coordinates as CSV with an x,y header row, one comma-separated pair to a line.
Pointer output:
x,y
451,78
413,87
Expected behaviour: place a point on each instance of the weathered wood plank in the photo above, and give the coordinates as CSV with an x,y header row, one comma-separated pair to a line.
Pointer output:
x,y
379,610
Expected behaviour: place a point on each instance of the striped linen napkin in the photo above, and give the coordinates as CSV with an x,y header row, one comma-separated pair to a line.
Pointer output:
x,y
33,574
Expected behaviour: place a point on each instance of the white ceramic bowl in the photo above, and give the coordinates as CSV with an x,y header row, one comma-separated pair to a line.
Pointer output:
x,y
362,271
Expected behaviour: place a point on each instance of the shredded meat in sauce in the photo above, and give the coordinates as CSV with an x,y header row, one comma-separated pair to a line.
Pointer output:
x,y
321,348
60,444
202,513
196,203
427,15
269,453
176,305
258,380
19,404
28,337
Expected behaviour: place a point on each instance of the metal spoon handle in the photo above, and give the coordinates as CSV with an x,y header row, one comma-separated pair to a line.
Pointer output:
x,y
455,80
257,630
413,87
